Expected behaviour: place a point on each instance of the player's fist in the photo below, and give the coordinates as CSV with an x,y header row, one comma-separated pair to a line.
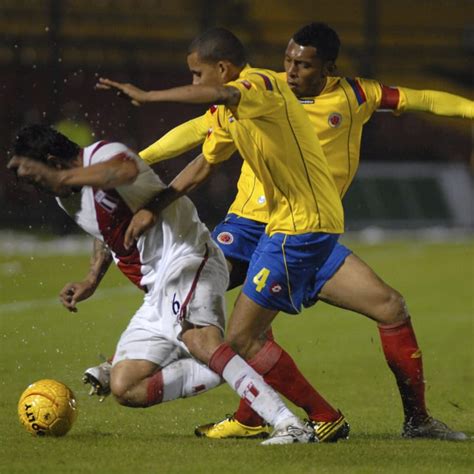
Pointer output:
x,y
140,223
72,293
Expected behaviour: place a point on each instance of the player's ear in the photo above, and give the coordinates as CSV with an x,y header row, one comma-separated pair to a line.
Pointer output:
x,y
222,68
329,68
54,162
225,71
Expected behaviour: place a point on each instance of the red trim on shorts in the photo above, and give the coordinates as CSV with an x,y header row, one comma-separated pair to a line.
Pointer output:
x,y
390,98
184,306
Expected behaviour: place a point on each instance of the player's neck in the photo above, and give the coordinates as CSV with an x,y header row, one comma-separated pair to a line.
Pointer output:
x,y
316,90
320,87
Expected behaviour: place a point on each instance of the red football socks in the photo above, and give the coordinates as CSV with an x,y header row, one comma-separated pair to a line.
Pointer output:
x,y
404,358
280,372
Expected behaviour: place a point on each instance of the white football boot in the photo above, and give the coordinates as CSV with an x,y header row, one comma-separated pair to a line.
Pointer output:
x,y
295,431
99,379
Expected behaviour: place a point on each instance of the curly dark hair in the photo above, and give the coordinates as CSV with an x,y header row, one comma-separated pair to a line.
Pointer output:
x,y
320,36
38,141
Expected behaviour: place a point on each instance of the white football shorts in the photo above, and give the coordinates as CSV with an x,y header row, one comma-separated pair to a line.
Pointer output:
x,y
193,290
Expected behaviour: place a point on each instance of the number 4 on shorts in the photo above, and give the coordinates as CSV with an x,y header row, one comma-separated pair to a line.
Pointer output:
x,y
260,279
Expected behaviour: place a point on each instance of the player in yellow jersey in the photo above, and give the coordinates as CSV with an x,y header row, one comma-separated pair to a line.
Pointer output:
x,y
338,109
262,119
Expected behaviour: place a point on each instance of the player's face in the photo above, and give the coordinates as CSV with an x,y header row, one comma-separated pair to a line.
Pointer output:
x,y
204,73
305,71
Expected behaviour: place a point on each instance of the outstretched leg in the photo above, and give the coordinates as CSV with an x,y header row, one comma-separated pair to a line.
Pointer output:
x,y
356,287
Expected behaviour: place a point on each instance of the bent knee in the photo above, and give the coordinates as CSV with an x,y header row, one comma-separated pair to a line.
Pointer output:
x,y
394,308
119,387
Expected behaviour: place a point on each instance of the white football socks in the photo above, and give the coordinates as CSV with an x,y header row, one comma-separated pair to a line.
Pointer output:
x,y
261,397
186,378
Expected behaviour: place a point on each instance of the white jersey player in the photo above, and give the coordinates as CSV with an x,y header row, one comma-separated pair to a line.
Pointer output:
x,y
182,272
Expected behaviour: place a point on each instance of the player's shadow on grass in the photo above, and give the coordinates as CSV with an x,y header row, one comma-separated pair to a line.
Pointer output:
x,y
145,435
364,436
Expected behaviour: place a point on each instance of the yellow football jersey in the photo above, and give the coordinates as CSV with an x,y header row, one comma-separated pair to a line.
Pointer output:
x,y
179,140
337,116
273,135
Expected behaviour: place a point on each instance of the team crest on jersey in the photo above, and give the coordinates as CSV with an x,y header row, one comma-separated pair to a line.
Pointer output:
x,y
225,238
334,120
106,201
261,200
275,288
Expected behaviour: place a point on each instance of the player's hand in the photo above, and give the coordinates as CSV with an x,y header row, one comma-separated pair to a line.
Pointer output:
x,y
140,223
74,292
38,174
129,91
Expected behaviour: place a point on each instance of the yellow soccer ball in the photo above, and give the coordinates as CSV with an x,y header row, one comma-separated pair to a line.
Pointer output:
x,y
47,408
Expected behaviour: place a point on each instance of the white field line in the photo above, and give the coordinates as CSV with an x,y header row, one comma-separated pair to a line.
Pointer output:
x,y
17,243
7,308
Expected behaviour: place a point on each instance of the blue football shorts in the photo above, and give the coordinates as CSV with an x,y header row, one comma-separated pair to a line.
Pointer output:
x,y
283,266
239,238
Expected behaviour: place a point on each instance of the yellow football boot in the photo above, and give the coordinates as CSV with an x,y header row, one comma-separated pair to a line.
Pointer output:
x,y
231,428
330,431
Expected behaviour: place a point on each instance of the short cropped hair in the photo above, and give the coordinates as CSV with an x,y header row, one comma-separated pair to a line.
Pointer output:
x,y
218,44
319,36
38,141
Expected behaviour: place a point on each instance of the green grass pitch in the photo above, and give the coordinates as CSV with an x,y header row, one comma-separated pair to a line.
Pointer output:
x,y
339,351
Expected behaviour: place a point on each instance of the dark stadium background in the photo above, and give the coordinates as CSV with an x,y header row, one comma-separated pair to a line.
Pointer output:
x,y
53,51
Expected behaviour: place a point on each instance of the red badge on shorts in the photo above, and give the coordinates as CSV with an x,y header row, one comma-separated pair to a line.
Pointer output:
x,y
225,238
275,288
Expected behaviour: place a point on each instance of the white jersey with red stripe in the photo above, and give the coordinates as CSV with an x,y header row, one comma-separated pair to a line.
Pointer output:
x,y
106,214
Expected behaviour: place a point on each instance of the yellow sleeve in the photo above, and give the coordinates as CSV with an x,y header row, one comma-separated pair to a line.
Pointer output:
x,y
219,144
257,96
436,102
177,141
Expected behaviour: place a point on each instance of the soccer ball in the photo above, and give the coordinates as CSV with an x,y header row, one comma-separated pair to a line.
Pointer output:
x,y
47,408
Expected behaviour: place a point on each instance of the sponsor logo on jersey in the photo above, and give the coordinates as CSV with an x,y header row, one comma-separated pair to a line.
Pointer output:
x,y
261,200
106,201
334,120
275,288
306,101
225,238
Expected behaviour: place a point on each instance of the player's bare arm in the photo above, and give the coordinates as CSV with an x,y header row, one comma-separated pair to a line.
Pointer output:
x,y
194,174
115,172
38,174
74,292
194,94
